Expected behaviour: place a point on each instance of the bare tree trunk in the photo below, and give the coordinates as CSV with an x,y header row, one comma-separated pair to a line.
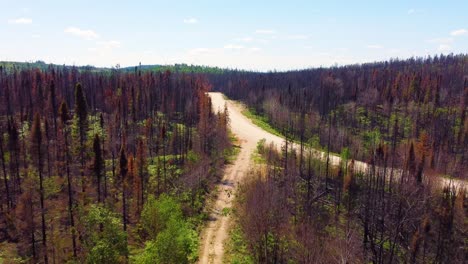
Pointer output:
x,y
41,192
5,179
70,195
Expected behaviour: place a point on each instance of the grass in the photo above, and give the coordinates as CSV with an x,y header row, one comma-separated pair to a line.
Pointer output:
x,y
257,155
226,211
257,158
260,121
231,153
236,248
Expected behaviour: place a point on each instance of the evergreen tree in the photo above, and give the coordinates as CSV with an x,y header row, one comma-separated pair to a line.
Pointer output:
x,y
81,118
123,174
36,151
64,117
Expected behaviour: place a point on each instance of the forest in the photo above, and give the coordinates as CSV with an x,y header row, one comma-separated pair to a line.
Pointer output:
x,y
121,165
401,115
105,166
420,101
297,209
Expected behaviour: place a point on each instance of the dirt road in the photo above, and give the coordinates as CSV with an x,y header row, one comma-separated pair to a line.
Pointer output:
x,y
216,233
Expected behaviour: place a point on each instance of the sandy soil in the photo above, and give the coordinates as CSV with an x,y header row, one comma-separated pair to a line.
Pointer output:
x,y
215,234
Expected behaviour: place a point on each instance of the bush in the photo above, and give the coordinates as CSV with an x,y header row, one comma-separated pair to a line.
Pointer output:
x,y
105,240
157,213
173,240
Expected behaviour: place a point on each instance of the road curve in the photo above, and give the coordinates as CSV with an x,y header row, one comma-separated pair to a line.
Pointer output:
x,y
215,234
243,127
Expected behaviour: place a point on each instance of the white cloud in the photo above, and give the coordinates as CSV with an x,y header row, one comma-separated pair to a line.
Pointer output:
x,y
374,46
265,31
459,32
413,11
255,49
263,41
111,44
440,40
86,34
245,39
35,36
444,48
197,51
322,53
20,21
297,37
105,47
190,20
233,47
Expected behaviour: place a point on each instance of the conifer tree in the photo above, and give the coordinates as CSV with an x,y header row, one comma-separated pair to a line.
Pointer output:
x,y
64,117
53,102
36,151
81,117
123,174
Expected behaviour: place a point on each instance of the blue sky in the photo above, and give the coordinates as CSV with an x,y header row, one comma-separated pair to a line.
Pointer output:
x,y
255,35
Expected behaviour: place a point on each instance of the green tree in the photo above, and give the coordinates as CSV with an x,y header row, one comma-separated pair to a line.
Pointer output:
x,y
173,240
178,243
345,155
157,213
104,239
81,108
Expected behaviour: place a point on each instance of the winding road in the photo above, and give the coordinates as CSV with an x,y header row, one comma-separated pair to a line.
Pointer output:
x,y
214,236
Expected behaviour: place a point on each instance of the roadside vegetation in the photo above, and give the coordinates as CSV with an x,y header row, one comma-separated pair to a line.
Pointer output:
x,y
294,212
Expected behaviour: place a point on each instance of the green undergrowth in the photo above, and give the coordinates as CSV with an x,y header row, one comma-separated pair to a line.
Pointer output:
x,y
257,156
260,121
264,123
230,154
236,250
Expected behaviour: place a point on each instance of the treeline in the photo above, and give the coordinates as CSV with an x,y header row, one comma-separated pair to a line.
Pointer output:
x,y
300,210
175,68
420,101
15,65
84,154
179,68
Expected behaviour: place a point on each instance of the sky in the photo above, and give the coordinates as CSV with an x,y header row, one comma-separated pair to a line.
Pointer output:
x,y
252,35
